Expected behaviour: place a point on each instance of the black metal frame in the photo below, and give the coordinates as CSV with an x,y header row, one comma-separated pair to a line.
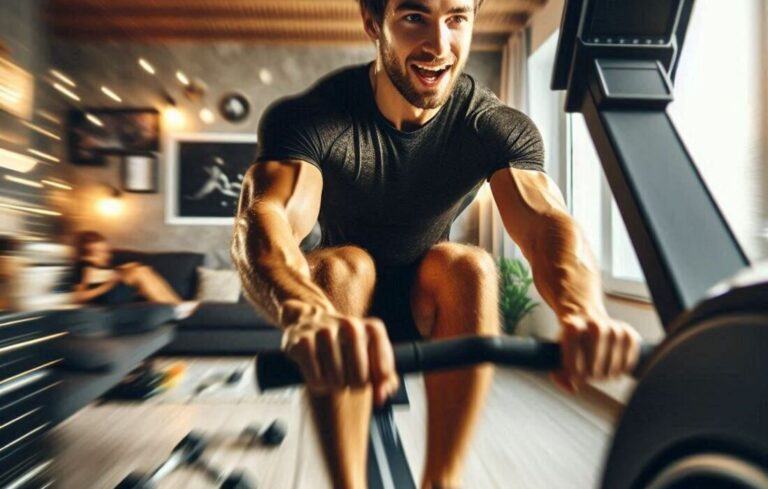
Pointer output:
x,y
681,238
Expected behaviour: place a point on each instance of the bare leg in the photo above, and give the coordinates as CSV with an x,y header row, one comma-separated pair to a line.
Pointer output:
x,y
151,285
348,276
456,292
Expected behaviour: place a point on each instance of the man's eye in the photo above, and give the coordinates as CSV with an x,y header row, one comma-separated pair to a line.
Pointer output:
x,y
459,19
413,18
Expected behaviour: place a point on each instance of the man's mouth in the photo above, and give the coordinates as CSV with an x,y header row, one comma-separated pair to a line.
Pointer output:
x,y
430,74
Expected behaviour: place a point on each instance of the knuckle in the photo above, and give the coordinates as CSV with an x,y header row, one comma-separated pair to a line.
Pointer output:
x,y
599,329
303,343
376,326
614,334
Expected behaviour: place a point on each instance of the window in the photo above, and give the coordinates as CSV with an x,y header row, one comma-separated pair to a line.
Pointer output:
x,y
595,209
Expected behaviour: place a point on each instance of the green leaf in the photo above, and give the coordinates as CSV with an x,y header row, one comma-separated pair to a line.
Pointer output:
x,y
515,281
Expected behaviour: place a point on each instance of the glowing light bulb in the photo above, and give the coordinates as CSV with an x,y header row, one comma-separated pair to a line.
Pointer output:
x,y
265,76
173,118
110,206
94,120
109,93
146,66
64,78
182,78
206,115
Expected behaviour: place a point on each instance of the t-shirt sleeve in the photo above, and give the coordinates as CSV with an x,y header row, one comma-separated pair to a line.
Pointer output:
x,y
511,140
288,130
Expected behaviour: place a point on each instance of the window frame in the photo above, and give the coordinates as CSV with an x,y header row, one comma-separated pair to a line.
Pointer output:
x,y
612,284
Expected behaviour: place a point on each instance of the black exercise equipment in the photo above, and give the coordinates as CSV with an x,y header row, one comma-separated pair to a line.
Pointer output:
x,y
698,417
275,370
188,451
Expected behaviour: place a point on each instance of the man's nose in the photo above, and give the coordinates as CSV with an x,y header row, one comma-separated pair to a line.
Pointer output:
x,y
439,42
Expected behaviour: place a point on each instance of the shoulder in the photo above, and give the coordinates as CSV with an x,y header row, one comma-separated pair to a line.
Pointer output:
x,y
488,116
325,99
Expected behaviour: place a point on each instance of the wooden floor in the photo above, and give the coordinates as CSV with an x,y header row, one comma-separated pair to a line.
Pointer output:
x,y
531,435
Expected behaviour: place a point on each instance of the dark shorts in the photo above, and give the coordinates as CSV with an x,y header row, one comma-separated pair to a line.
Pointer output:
x,y
392,301
119,294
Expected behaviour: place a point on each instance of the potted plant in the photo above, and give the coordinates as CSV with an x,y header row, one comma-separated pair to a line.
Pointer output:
x,y
514,282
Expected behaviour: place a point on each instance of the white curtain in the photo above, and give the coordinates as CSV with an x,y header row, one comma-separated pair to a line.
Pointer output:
x,y
492,235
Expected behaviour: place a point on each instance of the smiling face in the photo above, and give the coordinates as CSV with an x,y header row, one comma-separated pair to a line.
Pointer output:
x,y
423,46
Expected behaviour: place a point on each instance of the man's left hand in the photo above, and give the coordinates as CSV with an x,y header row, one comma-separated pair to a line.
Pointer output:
x,y
595,346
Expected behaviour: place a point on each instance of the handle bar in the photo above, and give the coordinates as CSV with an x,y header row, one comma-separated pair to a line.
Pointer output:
x,y
275,369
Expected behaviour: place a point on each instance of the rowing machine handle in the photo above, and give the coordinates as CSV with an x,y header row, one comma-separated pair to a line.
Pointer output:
x,y
275,369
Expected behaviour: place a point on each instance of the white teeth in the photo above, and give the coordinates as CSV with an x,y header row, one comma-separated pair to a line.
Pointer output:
x,y
432,68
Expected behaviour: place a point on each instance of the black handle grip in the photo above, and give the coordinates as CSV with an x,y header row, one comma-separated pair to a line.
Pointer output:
x,y
274,369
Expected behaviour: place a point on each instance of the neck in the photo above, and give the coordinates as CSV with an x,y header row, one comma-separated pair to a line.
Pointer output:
x,y
392,105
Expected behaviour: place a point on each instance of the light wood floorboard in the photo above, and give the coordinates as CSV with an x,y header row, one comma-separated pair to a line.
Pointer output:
x,y
531,435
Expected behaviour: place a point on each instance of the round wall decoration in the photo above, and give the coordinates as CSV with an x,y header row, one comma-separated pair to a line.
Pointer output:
x,y
234,107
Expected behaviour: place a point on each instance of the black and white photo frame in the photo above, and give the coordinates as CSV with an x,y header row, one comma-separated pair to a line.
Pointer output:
x,y
204,176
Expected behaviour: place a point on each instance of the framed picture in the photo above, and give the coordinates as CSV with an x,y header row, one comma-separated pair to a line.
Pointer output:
x,y
204,176
93,133
139,173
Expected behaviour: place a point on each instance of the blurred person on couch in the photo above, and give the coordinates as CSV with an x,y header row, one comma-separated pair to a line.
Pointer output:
x,y
99,282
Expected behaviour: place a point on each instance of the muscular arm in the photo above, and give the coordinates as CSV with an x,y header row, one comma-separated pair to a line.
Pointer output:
x,y
567,276
279,204
534,213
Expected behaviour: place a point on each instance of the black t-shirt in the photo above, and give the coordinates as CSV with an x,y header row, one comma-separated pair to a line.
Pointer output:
x,y
391,192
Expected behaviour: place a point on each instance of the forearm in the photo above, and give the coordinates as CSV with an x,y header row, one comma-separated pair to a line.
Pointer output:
x,y
271,265
564,269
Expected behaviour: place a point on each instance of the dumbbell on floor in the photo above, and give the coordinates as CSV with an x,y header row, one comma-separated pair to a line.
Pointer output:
x,y
270,435
186,452
235,480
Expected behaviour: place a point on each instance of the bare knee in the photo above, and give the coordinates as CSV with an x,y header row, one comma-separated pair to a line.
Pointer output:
x,y
453,264
454,275
347,265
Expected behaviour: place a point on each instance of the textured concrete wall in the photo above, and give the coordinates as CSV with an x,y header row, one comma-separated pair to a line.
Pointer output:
x,y
224,67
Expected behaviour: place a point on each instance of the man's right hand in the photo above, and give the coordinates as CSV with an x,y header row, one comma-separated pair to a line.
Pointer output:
x,y
335,351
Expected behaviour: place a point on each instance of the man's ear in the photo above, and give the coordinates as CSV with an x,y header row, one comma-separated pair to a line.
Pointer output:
x,y
372,28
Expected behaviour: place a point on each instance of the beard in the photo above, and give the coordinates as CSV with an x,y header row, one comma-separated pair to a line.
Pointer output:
x,y
399,76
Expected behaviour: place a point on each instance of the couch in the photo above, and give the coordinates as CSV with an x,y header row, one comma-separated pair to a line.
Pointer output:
x,y
215,328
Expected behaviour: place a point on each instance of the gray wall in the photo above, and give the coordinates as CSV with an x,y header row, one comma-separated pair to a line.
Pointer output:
x,y
223,66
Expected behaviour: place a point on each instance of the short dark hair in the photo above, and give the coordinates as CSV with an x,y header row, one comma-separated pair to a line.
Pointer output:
x,y
376,8
84,238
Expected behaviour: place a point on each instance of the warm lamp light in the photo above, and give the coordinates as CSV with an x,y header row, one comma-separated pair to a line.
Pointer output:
x,y
206,115
173,118
112,205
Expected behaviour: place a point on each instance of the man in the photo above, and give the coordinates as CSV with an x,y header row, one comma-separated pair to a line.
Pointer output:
x,y
386,155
